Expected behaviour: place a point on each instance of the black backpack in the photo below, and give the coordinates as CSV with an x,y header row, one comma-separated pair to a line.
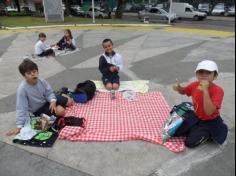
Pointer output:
x,y
87,87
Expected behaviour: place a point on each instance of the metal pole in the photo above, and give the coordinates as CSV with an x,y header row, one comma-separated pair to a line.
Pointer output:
x,y
93,11
170,11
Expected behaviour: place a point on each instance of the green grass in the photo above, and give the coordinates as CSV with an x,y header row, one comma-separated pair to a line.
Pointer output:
x,y
40,21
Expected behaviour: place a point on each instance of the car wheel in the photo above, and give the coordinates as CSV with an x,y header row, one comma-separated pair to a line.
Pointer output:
x,y
196,18
226,14
100,16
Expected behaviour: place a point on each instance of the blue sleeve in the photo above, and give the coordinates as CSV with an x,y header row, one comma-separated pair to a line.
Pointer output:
x,y
49,92
22,107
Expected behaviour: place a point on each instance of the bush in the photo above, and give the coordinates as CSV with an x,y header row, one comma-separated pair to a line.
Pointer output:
x,y
2,13
14,14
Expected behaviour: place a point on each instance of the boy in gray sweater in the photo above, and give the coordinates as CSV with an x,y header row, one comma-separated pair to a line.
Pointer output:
x,y
35,96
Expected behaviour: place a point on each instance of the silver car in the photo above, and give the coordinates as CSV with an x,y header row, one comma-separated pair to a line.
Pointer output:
x,y
99,13
156,14
230,11
219,9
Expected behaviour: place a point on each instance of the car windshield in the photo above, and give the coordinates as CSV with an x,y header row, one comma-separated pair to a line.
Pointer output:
x,y
219,7
163,11
204,6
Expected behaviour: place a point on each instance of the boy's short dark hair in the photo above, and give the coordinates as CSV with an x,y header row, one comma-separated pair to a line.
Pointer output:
x,y
107,40
26,66
42,35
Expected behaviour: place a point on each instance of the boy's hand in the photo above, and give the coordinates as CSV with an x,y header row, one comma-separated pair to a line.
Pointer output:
x,y
14,131
53,106
112,69
205,84
117,69
177,86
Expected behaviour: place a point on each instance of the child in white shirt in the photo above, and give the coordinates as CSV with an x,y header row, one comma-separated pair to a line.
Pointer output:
x,y
41,49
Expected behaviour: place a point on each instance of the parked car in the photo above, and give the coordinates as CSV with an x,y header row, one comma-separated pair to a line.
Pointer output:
x,y
156,14
10,9
205,7
230,11
26,10
185,10
77,11
219,9
99,13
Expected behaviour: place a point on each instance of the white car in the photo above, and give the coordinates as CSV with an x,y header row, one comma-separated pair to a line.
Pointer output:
x,y
10,9
230,11
99,13
157,14
219,9
186,11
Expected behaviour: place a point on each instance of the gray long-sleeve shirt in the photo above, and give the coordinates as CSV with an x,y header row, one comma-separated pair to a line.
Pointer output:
x,y
31,98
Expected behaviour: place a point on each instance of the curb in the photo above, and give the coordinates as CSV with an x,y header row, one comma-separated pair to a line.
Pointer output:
x,y
87,25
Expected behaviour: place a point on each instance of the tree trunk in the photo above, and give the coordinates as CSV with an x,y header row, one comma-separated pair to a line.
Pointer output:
x,y
120,8
17,5
67,6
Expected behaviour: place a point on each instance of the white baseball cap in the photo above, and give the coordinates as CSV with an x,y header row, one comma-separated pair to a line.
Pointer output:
x,y
207,65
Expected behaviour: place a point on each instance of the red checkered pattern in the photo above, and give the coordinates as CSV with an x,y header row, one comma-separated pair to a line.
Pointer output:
x,y
121,120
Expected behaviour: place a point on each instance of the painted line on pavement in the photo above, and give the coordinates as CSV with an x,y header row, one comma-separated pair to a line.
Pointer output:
x,y
165,28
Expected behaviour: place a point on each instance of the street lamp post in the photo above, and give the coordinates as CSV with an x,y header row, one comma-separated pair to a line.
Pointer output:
x,y
93,11
170,11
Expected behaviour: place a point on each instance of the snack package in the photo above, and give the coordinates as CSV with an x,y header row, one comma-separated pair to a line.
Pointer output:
x,y
175,120
44,122
171,126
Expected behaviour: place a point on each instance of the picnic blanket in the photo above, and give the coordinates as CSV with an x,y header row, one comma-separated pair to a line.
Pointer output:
x,y
122,120
141,86
65,52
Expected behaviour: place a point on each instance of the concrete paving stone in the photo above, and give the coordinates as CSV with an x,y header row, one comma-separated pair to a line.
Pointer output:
x,y
220,165
168,61
135,158
2,144
14,161
5,43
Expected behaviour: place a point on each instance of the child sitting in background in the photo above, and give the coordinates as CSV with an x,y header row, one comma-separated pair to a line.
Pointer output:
x,y
206,123
41,49
110,64
35,96
67,41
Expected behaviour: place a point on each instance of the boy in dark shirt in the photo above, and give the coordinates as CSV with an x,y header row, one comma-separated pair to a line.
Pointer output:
x,y
110,64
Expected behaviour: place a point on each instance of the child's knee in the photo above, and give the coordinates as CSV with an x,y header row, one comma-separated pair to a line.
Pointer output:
x,y
109,86
116,86
60,111
69,100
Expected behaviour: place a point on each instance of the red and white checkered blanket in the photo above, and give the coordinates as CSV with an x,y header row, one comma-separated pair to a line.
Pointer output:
x,y
122,120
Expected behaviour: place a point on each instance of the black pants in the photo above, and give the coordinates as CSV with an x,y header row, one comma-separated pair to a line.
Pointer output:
x,y
48,52
198,131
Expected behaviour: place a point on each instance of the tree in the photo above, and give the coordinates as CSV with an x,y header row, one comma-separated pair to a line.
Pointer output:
x,y
67,6
120,8
17,5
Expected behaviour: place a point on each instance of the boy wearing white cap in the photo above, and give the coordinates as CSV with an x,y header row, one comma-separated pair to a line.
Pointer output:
x,y
205,122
